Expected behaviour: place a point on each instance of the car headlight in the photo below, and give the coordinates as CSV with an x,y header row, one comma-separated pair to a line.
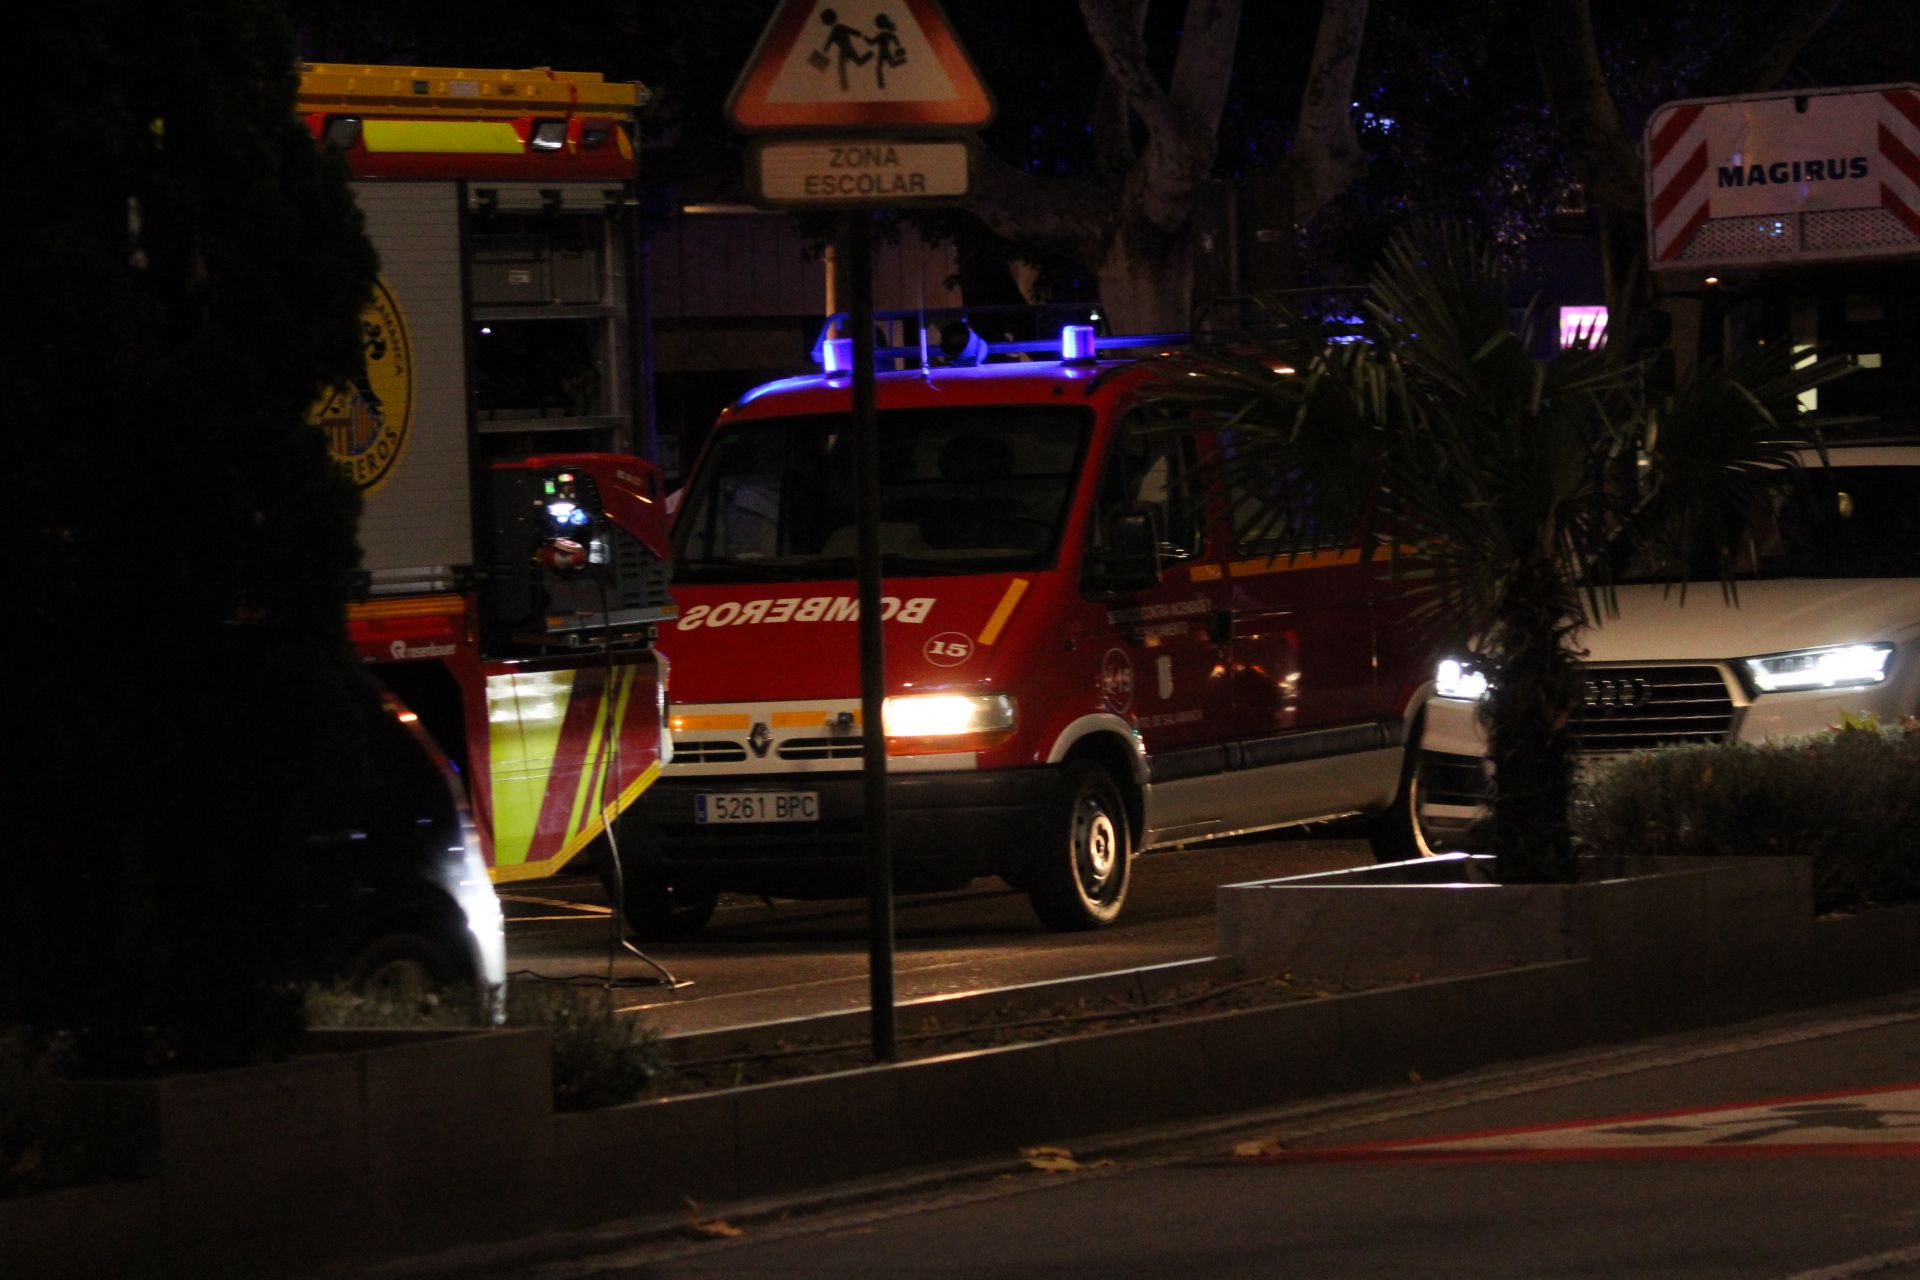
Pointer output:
x,y
1458,678
924,722
1835,667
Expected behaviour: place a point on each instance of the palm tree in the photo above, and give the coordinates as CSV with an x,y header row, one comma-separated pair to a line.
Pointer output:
x,y
1497,483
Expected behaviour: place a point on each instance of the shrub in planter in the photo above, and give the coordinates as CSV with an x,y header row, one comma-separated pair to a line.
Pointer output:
x,y
601,1058
1850,800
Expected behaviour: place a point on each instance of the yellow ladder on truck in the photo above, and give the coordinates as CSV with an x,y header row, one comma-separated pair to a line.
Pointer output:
x,y
463,91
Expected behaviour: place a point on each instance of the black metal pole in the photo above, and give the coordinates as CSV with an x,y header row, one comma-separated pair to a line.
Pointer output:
x,y
873,666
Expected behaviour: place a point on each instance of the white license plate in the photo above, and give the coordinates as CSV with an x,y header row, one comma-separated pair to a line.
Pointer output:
x,y
756,806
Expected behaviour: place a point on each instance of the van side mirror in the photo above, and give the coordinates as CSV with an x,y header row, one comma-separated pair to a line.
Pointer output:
x,y
1130,560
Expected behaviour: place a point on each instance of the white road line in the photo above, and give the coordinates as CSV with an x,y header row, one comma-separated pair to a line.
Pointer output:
x,y
1862,1266
584,908
757,993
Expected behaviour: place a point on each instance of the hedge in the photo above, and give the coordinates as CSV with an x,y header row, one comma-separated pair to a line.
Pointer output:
x,y
1848,799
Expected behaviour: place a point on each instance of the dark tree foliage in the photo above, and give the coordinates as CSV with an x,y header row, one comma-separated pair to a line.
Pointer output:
x,y
1454,127
190,271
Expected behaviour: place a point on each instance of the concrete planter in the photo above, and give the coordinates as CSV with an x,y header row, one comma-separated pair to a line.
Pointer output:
x,y
1716,938
1868,953
425,1140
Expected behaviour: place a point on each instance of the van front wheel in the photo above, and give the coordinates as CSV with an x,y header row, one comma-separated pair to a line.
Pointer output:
x,y
1081,870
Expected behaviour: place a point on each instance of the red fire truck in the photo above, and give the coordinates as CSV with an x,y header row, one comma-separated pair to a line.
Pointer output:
x,y
514,548
1083,659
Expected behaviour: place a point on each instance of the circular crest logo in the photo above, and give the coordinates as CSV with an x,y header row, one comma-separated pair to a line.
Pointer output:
x,y
948,649
1116,681
367,417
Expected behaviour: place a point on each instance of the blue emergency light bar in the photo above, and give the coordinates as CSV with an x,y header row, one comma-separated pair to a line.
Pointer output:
x,y
948,335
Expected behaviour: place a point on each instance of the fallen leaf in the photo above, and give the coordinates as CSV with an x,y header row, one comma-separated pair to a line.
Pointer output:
x,y
700,1226
1256,1149
1414,1077
710,1229
1050,1159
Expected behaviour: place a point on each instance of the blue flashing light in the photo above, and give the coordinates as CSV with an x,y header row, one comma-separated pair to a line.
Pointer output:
x,y
836,355
1076,343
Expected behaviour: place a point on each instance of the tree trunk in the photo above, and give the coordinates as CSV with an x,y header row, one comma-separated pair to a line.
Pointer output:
x,y
1146,281
1528,709
1325,156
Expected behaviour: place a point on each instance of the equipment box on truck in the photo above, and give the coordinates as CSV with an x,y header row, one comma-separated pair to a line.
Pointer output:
x,y
1083,660
514,549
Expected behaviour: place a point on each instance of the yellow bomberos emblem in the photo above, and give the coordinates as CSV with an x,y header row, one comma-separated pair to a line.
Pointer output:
x,y
366,418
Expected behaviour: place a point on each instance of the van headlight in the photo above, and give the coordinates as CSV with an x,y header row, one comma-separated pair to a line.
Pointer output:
x,y
1835,667
1459,678
926,722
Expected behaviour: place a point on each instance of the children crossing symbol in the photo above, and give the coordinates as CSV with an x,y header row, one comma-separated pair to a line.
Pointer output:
x,y
859,63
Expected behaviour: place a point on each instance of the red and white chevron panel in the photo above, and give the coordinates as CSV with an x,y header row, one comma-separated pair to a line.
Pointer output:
x,y
1778,179
1898,144
1679,195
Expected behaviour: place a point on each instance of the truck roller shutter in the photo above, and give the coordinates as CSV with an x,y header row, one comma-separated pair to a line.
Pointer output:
x,y
417,522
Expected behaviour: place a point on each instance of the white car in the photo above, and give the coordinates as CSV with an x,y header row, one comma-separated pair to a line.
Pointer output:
x,y
1826,623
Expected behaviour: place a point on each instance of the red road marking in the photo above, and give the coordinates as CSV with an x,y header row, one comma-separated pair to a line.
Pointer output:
x,y
1772,1128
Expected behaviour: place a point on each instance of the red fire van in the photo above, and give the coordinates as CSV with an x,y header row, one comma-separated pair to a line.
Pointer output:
x,y
1084,659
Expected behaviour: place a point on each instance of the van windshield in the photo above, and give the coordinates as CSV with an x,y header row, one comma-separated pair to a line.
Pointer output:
x,y
1837,522
962,490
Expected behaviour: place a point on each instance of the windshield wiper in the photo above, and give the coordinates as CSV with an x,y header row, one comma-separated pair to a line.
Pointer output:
x,y
742,570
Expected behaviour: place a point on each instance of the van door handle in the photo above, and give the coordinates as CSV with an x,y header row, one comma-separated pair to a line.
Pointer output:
x,y
1220,625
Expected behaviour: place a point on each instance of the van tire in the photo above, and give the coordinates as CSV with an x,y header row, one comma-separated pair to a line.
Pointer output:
x,y
402,964
659,910
1080,871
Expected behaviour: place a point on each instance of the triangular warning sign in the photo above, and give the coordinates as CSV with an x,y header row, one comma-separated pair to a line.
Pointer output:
x,y
826,64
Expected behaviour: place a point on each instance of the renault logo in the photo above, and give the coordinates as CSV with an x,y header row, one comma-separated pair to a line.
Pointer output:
x,y
760,738
1614,694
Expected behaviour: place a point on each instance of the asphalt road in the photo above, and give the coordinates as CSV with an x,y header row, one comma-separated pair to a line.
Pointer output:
x,y
1788,1148
761,962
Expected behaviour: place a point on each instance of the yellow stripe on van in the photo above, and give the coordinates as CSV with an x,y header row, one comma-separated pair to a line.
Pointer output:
x,y
411,607
1287,564
687,724
801,719
1015,589
548,866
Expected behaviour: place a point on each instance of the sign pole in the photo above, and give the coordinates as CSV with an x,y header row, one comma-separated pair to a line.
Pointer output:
x,y
873,680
